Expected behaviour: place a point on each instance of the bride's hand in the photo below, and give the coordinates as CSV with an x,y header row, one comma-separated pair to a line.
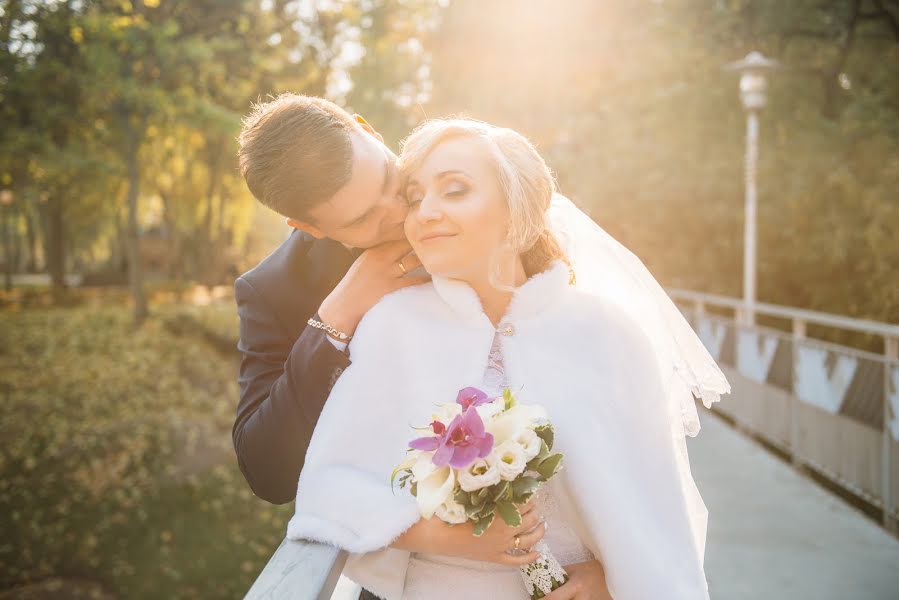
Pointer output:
x,y
433,536
587,581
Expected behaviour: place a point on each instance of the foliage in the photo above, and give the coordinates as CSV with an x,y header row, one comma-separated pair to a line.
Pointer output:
x,y
629,103
117,465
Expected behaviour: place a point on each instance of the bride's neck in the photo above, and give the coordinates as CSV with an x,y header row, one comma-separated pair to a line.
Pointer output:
x,y
495,300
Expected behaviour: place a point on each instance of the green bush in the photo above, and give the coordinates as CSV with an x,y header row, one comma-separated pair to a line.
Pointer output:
x,y
117,463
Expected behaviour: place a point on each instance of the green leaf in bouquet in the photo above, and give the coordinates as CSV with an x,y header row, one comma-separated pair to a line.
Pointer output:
x,y
487,509
546,433
508,399
499,490
481,525
473,511
550,466
414,489
509,513
406,465
462,497
523,488
541,456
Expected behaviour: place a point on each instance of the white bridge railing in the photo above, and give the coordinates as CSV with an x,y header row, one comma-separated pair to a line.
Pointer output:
x,y
830,408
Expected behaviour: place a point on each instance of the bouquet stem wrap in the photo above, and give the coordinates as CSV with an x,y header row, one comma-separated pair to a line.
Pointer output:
x,y
544,574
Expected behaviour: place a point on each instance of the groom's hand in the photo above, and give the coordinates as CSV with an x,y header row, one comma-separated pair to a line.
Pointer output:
x,y
372,276
433,536
587,581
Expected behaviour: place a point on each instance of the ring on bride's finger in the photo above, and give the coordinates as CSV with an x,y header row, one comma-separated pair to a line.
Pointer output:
x,y
518,542
402,267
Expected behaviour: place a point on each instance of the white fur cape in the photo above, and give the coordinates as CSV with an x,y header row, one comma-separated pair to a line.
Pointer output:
x,y
583,360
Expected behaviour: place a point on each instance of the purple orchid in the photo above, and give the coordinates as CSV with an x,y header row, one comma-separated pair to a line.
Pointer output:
x,y
460,444
471,396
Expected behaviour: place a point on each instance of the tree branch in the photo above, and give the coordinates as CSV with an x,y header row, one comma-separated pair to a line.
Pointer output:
x,y
890,19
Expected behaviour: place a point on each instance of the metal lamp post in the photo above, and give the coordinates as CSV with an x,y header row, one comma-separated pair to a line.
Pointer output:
x,y
753,87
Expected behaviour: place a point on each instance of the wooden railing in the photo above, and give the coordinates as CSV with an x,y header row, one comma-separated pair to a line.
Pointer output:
x,y
299,571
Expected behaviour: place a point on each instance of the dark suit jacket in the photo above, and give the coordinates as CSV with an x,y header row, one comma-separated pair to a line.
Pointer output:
x,y
287,368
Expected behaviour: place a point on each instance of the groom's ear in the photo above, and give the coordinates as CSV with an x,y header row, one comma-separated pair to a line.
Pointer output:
x,y
368,128
308,228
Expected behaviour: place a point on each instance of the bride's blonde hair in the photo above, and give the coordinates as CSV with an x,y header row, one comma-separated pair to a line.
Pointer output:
x,y
525,179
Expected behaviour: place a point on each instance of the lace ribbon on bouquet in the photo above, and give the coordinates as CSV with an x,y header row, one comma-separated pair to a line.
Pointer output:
x,y
544,574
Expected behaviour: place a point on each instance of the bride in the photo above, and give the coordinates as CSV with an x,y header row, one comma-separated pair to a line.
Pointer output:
x,y
586,333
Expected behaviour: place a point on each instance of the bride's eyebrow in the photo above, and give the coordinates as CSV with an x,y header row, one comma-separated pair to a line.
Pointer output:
x,y
449,172
412,182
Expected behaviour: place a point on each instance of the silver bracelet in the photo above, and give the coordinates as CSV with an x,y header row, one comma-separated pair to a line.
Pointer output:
x,y
338,335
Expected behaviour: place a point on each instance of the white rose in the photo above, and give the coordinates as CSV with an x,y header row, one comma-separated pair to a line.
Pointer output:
x,y
451,512
510,459
530,442
480,474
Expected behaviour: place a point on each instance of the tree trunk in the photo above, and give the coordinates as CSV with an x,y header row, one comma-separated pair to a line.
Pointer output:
x,y
54,241
8,259
175,266
135,272
31,238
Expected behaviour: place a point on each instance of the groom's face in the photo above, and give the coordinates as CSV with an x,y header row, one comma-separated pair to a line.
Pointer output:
x,y
369,209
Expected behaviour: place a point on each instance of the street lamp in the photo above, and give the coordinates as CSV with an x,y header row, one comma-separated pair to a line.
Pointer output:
x,y
753,87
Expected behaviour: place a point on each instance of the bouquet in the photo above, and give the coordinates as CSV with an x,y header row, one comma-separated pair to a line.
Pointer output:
x,y
485,457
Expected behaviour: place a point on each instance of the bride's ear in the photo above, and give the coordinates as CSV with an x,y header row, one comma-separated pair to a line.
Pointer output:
x,y
368,128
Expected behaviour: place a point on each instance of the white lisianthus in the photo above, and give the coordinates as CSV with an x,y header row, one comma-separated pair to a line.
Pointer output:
x,y
490,409
445,413
530,442
510,424
435,489
509,460
451,512
480,474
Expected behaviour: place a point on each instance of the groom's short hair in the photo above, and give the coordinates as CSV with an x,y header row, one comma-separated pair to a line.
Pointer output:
x,y
296,152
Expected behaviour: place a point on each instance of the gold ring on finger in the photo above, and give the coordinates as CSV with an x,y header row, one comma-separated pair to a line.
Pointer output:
x,y
402,267
518,542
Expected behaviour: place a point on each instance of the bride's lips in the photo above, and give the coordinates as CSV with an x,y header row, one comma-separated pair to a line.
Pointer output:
x,y
435,236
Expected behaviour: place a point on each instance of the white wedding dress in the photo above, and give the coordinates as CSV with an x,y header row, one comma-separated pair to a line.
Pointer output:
x,y
437,577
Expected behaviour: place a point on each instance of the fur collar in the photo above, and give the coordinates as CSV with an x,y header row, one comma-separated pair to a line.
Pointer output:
x,y
534,295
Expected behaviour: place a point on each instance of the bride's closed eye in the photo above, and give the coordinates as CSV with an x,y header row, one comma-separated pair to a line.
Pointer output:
x,y
455,189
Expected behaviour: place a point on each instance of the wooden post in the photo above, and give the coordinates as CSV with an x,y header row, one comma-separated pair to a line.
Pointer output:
x,y
799,333
891,350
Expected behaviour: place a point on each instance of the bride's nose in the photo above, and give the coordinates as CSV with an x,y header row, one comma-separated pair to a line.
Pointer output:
x,y
429,209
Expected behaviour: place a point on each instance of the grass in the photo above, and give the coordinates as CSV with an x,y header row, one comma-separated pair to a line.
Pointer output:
x,y
117,465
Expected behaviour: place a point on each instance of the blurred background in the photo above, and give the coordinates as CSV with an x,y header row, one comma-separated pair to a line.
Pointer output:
x,y
124,222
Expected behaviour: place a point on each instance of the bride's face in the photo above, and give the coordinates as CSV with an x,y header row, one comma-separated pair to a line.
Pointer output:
x,y
457,217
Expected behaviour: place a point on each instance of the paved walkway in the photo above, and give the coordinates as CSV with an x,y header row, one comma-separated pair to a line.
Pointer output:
x,y
774,534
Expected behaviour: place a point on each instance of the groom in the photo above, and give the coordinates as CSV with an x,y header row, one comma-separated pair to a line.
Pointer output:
x,y
337,183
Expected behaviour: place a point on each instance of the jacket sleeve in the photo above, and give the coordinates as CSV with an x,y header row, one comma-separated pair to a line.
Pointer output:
x,y
283,385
